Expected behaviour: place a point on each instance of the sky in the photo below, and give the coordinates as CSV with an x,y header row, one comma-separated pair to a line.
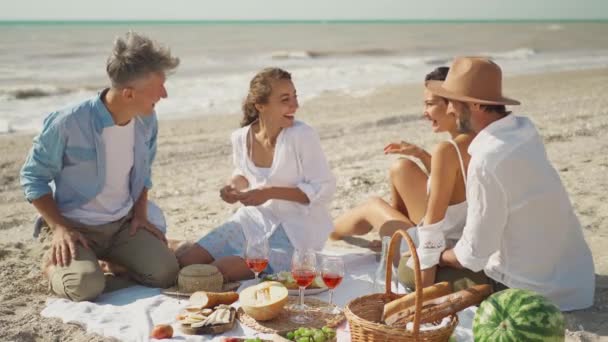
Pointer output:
x,y
301,9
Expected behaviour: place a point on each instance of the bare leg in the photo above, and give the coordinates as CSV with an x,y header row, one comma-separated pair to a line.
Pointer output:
x,y
233,268
408,189
195,254
408,186
428,276
361,220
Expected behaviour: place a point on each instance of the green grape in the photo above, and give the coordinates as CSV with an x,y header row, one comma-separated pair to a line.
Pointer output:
x,y
290,335
307,333
319,336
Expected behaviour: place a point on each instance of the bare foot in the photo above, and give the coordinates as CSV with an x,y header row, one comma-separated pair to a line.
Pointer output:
x,y
180,247
108,267
334,236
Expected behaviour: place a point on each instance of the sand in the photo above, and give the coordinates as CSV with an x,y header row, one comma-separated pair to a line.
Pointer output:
x,y
569,108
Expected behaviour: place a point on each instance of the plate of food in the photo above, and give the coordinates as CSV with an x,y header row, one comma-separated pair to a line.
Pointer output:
x,y
286,279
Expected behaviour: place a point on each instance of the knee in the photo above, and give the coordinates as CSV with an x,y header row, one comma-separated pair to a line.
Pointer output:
x,y
82,286
375,201
402,167
233,268
164,275
193,254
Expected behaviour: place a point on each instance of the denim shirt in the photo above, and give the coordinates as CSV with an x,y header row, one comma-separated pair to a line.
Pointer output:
x,y
68,156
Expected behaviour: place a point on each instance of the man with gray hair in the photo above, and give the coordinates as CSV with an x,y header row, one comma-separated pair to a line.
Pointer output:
x,y
97,156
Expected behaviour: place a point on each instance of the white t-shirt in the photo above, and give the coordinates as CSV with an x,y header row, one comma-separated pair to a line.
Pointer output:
x,y
521,228
114,201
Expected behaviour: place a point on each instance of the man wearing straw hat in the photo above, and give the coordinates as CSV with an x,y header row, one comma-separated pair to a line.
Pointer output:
x,y
521,229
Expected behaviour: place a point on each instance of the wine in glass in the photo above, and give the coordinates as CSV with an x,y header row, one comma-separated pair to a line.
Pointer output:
x,y
256,255
332,272
304,271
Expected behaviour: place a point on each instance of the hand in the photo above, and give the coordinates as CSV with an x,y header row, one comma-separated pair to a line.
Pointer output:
x,y
229,194
141,221
403,148
63,245
254,197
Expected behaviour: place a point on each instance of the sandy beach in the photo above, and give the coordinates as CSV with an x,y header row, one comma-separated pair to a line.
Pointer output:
x,y
569,108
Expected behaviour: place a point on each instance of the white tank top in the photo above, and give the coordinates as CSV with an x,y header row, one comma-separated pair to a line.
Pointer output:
x,y
456,214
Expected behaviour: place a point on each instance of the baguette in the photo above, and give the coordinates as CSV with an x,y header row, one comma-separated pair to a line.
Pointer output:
x,y
431,292
436,309
204,299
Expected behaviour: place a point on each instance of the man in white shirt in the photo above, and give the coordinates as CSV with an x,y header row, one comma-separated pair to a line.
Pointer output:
x,y
521,228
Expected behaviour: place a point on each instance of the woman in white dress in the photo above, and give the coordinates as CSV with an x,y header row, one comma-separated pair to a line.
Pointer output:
x,y
282,179
434,199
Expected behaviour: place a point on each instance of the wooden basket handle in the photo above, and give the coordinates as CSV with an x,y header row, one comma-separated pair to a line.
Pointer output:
x,y
395,239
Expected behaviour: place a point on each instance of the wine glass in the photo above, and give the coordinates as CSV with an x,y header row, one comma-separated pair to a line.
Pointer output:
x,y
256,255
303,270
332,272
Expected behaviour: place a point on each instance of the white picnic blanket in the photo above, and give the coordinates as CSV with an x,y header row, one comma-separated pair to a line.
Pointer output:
x,y
131,313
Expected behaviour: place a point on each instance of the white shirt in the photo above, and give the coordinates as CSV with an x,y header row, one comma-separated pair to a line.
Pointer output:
x,y
114,201
521,228
298,161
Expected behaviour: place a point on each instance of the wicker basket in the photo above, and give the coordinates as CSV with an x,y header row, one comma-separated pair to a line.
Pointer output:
x,y
364,313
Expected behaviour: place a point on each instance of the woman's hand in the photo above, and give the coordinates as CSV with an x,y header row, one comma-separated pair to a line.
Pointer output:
x,y
403,148
254,197
229,194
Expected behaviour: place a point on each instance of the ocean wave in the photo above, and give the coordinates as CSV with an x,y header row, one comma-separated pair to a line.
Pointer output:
x,y
308,54
554,27
35,92
517,54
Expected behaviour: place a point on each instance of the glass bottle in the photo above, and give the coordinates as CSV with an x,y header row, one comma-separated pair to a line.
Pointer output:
x,y
379,285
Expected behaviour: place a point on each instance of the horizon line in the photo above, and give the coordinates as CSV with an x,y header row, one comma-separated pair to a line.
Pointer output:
x,y
292,21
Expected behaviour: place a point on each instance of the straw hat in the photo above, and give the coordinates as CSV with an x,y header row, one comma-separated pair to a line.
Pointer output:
x,y
473,80
199,277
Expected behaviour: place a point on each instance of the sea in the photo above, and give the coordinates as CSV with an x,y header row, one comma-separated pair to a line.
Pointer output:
x,y
45,66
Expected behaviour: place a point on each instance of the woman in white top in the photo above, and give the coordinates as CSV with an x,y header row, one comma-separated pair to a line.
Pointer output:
x,y
434,199
281,178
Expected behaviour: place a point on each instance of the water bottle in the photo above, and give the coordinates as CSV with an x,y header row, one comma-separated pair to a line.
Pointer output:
x,y
379,285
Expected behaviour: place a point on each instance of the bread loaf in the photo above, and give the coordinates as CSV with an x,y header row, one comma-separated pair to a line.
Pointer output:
x,y
204,299
400,304
436,309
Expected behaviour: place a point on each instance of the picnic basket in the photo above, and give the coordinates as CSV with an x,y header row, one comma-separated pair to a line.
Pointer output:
x,y
364,313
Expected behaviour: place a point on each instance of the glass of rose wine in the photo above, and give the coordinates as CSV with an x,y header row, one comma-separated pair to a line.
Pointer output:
x,y
256,255
304,271
332,272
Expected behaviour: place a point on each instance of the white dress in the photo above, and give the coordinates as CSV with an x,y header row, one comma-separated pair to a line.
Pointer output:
x,y
299,162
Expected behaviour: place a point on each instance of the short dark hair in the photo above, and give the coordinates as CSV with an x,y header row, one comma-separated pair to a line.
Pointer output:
x,y
498,109
439,74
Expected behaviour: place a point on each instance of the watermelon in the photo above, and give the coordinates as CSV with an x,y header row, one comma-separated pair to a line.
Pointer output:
x,y
518,315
